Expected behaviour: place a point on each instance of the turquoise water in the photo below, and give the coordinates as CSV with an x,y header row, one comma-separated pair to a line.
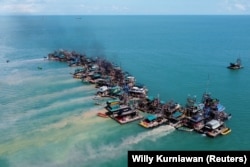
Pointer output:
x,y
49,119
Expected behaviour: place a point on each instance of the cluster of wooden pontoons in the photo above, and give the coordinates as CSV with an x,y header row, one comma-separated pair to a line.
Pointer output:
x,y
125,100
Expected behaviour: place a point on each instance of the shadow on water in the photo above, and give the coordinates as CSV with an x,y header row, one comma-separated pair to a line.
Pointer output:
x,y
4,163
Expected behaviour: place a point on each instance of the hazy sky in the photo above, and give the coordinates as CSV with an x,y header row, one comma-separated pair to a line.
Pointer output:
x,y
117,7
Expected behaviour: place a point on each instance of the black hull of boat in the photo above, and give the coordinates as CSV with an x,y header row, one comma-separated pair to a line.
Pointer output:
x,y
234,68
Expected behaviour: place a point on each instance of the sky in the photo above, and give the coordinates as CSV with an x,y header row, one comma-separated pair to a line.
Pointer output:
x,y
124,7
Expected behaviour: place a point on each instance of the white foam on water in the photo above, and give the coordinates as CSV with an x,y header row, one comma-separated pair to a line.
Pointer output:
x,y
69,128
21,71
36,98
15,76
75,156
113,150
76,128
15,110
84,119
5,51
36,60
12,118
150,135
23,63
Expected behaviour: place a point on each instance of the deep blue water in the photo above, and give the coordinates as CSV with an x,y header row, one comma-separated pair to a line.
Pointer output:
x,y
49,119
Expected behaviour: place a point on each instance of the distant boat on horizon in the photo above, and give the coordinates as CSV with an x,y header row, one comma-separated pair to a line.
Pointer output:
x,y
236,65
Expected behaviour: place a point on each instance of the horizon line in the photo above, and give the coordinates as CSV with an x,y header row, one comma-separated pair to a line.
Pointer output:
x,y
124,14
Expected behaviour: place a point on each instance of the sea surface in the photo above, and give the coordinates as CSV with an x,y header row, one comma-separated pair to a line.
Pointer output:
x,y
48,118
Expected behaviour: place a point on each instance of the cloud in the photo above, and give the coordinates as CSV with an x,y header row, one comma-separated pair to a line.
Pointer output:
x,y
103,8
17,7
237,5
63,7
119,8
123,7
241,7
89,8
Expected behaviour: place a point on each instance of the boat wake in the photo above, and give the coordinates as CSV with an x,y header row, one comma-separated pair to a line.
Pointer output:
x,y
108,152
77,153
21,63
31,60
13,117
149,135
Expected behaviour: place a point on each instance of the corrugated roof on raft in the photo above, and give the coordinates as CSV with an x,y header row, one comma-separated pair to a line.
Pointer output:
x,y
177,114
151,117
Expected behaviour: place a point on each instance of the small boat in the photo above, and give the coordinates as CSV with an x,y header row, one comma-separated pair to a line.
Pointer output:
x,y
214,124
152,121
236,65
226,131
127,117
39,68
102,115
213,128
213,133
138,90
102,89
